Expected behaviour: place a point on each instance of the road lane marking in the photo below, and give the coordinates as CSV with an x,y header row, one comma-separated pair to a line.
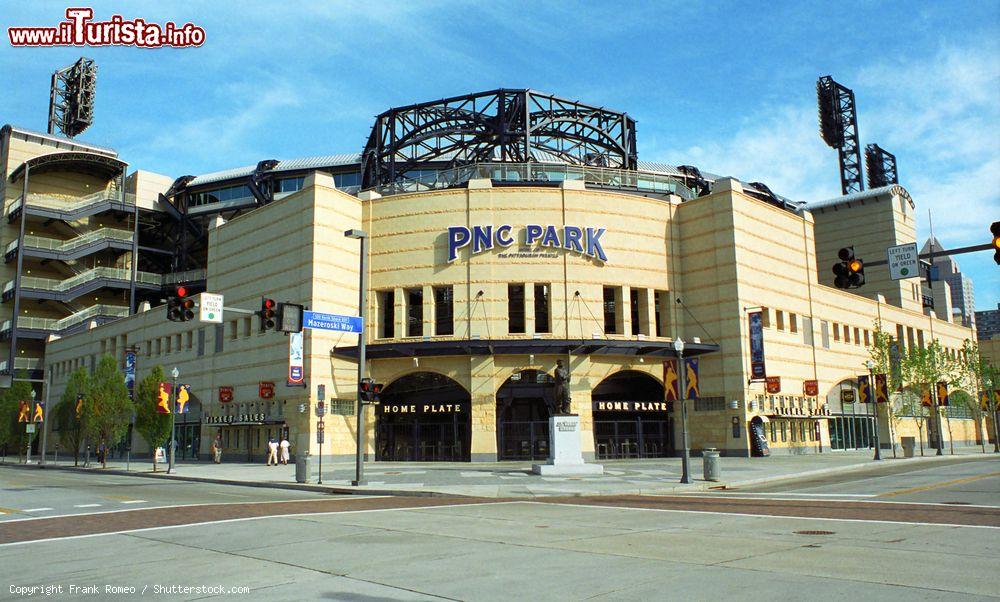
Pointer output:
x,y
86,505
772,516
79,514
940,485
727,494
134,502
248,518
740,496
36,509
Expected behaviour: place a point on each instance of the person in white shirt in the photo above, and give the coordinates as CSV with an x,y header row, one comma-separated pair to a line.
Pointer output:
x,y
284,450
272,452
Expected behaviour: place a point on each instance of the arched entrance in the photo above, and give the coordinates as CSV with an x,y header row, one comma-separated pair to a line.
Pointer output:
x,y
630,417
524,403
423,417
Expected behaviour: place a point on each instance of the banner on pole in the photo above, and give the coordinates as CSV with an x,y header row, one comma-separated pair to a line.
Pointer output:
x,y
670,384
296,374
130,373
757,368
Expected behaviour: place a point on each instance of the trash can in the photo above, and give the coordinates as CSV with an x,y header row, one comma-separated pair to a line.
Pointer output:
x,y
908,444
710,457
303,466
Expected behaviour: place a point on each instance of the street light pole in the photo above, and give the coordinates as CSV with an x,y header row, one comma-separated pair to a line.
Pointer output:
x,y
173,411
359,462
873,399
45,418
686,457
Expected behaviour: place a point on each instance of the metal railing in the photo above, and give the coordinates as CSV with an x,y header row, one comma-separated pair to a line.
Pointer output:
x,y
187,276
22,363
64,246
54,324
541,172
70,203
52,284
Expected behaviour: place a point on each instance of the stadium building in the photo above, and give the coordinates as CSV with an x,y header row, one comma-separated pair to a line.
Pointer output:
x,y
505,231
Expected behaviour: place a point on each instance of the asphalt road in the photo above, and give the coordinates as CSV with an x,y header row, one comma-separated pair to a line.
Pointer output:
x,y
882,534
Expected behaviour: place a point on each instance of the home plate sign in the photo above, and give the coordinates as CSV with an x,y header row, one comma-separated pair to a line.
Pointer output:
x,y
903,261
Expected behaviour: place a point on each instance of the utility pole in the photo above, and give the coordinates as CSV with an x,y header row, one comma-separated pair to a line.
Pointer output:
x,y
686,454
173,412
359,466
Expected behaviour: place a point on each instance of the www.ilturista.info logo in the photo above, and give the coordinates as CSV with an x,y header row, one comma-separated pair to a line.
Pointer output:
x,y
79,29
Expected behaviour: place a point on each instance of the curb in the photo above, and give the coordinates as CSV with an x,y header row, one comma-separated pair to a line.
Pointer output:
x,y
701,486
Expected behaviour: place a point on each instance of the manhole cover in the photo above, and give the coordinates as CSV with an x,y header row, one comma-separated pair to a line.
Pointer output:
x,y
814,532
958,503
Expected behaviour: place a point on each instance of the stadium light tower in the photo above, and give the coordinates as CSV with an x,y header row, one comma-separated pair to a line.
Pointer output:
x,y
71,98
881,166
838,126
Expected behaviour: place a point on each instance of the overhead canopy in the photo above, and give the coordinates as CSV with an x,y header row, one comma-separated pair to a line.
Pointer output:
x,y
653,349
89,163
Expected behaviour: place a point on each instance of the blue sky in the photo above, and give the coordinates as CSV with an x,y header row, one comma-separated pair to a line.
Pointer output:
x,y
727,86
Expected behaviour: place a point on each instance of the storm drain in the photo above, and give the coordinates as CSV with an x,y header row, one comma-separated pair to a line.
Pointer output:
x,y
814,532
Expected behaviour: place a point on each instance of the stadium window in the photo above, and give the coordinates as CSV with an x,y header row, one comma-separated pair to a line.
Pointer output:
x,y
793,322
660,302
414,312
220,340
344,180
542,305
774,433
387,313
868,339
793,429
836,331
611,309
633,298
779,317
857,336
765,317
847,333
824,327
784,430
802,431
807,331
444,310
290,184
201,342
515,308
234,329
247,326
920,338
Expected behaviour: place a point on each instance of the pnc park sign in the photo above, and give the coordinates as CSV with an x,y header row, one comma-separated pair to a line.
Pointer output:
x,y
585,241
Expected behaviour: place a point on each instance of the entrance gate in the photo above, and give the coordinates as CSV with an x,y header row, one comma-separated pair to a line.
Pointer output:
x,y
630,417
523,409
423,417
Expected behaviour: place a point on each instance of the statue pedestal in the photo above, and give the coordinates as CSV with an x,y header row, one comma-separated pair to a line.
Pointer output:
x,y
565,457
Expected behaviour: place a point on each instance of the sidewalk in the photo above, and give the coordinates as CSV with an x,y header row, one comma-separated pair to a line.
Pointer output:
x,y
514,479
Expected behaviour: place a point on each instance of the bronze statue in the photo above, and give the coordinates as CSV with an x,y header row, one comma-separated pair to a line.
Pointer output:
x,y
562,398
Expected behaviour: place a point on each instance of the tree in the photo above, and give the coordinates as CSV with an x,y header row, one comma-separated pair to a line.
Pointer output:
x,y
71,429
928,367
152,425
982,378
881,355
107,406
13,433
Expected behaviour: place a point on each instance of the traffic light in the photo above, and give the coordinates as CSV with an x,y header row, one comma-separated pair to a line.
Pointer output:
x,y
850,272
995,231
371,391
180,307
367,389
267,313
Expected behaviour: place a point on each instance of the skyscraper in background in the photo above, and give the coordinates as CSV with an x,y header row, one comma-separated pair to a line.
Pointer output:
x,y
963,301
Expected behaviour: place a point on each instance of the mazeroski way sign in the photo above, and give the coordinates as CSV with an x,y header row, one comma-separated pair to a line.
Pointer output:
x,y
321,321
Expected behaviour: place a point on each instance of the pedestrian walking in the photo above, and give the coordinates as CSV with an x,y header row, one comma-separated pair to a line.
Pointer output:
x,y
284,445
217,450
272,451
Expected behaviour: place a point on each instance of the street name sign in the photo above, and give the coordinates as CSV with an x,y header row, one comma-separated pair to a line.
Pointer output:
x,y
903,260
210,308
337,322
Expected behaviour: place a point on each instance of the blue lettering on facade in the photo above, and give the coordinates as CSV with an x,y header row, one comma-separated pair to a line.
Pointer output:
x,y
458,237
585,241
